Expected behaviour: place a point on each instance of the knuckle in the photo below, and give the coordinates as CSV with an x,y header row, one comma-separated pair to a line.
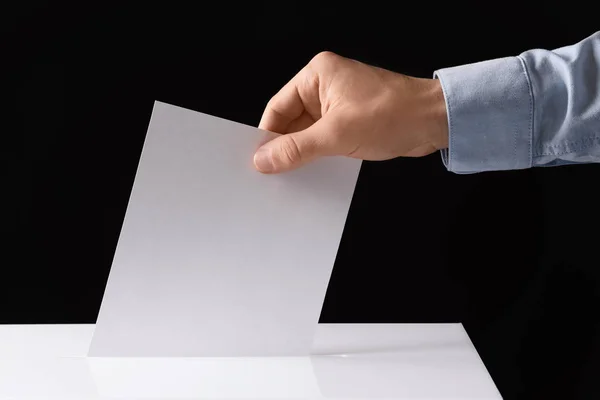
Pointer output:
x,y
271,102
325,58
277,106
272,105
290,151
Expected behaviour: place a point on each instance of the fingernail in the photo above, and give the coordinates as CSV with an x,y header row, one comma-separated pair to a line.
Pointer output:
x,y
263,160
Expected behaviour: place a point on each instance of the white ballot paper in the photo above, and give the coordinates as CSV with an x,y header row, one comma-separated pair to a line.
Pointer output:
x,y
215,258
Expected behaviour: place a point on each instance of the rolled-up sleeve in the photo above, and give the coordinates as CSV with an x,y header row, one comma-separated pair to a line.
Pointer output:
x,y
540,108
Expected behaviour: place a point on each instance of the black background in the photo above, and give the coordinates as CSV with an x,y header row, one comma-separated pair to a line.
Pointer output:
x,y
512,255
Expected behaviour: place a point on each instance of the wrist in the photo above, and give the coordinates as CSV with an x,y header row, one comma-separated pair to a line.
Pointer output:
x,y
436,114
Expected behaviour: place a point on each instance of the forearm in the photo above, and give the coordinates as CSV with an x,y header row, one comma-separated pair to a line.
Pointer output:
x,y
536,109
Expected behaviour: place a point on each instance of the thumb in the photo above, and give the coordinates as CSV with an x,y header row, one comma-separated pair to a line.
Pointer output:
x,y
292,150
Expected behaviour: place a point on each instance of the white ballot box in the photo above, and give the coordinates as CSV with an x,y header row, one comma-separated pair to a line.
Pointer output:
x,y
347,361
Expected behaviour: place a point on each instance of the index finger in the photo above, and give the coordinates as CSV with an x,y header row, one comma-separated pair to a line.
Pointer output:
x,y
291,102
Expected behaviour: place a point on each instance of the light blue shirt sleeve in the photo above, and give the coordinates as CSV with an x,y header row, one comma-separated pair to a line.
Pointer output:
x,y
540,108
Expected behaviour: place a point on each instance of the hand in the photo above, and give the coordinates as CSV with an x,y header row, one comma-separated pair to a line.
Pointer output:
x,y
338,106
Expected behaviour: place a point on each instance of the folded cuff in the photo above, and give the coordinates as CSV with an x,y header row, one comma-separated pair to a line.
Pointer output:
x,y
490,116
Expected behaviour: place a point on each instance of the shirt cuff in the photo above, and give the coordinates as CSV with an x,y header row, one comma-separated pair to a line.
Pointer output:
x,y
490,116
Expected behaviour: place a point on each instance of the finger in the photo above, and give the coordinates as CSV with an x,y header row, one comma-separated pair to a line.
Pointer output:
x,y
300,123
291,151
300,95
